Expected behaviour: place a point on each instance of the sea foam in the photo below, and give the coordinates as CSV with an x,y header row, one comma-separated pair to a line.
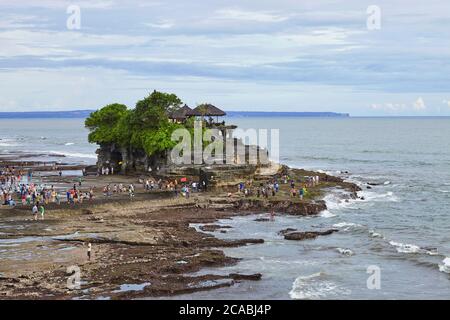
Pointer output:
x,y
445,266
315,286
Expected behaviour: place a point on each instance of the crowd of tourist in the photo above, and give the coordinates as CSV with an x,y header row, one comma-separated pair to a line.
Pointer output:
x,y
271,188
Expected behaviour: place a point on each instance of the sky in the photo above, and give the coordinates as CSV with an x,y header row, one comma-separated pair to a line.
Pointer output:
x,y
279,55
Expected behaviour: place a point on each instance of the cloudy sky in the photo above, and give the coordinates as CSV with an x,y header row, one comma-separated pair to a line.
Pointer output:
x,y
259,55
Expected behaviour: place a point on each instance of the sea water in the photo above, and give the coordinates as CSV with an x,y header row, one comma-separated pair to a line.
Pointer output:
x,y
401,228
59,140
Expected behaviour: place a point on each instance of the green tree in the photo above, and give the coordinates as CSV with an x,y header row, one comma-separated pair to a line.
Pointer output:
x,y
152,111
102,123
146,127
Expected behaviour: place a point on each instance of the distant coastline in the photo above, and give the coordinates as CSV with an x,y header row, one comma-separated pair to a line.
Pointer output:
x,y
285,114
85,113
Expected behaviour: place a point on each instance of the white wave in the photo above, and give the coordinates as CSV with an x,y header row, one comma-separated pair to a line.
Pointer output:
x,y
345,252
387,182
374,234
315,286
75,154
8,143
336,201
326,214
373,196
443,191
406,248
346,225
69,144
4,144
445,266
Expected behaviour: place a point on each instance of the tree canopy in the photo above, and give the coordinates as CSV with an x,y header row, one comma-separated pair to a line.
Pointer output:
x,y
145,127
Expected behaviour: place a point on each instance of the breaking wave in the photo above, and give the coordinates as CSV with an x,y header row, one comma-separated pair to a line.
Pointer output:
x,y
75,154
345,252
315,286
412,248
445,266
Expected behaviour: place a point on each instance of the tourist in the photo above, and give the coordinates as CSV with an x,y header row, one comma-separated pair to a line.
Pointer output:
x,y
42,211
89,249
34,212
293,192
131,191
91,194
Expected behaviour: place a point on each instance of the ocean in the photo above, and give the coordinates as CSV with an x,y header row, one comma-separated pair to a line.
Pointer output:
x,y
398,234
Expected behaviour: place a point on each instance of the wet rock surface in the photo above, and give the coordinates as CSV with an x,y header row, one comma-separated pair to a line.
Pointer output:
x,y
141,248
306,235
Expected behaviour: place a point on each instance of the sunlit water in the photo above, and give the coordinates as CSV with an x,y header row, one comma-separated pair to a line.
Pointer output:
x,y
402,226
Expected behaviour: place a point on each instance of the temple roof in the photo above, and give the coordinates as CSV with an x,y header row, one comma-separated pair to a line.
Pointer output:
x,y
206,110
181,113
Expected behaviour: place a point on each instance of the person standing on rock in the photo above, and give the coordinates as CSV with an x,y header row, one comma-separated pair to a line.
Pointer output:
x,y
272,215
42,211
34,211
89,249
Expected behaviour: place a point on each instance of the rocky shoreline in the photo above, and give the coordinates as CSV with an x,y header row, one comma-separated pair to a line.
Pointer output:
x,y
142,248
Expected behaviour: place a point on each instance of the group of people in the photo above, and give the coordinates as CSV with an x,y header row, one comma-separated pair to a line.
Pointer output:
x,y
120,188
183,187
305,183
271,188
106,171
76,195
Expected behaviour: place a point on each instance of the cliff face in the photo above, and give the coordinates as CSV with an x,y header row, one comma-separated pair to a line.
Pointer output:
x,y
128,160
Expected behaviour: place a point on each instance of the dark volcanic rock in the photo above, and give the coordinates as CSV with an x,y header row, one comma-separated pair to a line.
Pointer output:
x,y
285,206
262,220
240,242
213,227
285,231
308,234
253,277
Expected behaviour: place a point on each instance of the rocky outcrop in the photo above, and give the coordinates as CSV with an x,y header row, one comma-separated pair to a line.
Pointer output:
x,y
127,160
297,235
213,227
286,206
245,159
